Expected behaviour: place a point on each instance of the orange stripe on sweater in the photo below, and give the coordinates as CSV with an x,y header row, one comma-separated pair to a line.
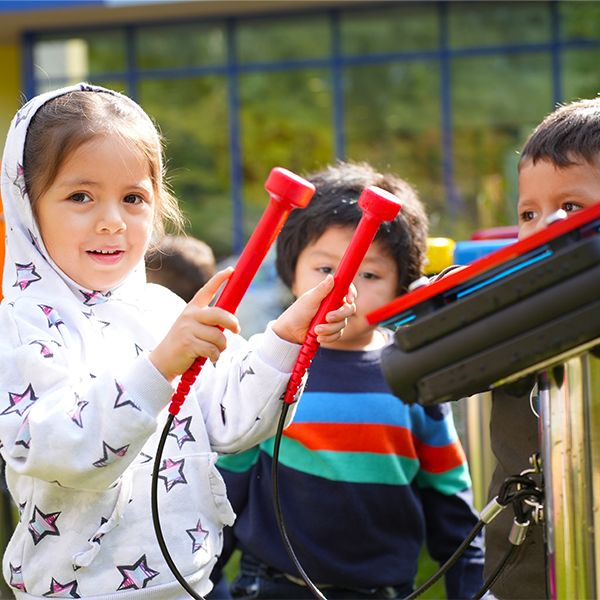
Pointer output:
x,y
438,459
354,437
379,439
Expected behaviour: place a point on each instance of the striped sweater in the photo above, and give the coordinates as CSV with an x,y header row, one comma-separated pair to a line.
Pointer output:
x,y
365,480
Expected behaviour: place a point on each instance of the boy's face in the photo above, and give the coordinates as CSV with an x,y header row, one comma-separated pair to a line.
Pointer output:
x,y
375,281
544,188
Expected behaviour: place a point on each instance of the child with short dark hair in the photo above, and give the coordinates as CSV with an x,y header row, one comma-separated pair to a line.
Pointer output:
x,y
559,169
365,479
89,354
181,263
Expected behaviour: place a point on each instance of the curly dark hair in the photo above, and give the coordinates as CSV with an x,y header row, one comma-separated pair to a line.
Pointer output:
x,y
335,203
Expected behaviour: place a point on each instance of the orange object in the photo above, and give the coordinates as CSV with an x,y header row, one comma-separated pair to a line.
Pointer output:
x,y
2,244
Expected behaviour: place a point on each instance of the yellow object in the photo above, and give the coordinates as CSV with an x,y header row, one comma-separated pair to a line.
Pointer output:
x,y
440,254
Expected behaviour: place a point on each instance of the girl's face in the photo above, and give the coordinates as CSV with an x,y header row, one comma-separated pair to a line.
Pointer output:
x,y
375,281
96,218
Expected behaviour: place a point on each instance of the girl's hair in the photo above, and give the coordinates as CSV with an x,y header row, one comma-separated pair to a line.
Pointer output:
x,y
569,134
66,122
335,204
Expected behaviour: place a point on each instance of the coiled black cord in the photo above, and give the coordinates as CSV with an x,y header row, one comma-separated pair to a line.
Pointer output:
x,y
155,514
277,506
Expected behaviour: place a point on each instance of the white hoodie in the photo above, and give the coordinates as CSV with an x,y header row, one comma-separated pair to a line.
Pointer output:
x,y
81,412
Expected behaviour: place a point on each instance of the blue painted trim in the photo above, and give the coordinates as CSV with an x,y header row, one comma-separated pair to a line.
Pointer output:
x,y
452,199
555,53
396,322
235,146
533,260
19,6
27,65
131,76
337,84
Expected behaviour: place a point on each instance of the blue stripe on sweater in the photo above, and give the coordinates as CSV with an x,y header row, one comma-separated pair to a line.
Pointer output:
x,y
384,409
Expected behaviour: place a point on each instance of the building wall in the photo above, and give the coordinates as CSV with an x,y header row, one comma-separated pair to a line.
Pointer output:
x,y
10,90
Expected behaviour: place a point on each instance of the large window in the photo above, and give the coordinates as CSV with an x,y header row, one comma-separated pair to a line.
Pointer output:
x,y
442,93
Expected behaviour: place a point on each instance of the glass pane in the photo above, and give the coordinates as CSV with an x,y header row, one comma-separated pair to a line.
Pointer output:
x,y
192,115
260,40
496,101
180,46
580,20
398,130
581,74
397,29
78,57
491,23
286,121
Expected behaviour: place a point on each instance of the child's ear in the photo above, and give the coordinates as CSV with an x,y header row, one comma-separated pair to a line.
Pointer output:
x,y
293,288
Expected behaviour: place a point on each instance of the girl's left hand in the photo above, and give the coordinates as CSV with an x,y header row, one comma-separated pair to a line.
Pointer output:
x,y
293,324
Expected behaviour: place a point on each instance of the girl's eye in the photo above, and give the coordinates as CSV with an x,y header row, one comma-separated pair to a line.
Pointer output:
x,y
527,215
80,197
325,270
571,207
133,199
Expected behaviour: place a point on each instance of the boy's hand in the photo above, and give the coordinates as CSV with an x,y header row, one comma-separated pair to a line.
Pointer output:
x,y
196,332
293,324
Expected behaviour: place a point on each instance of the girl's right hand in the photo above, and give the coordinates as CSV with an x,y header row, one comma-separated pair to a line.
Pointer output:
x,y
196,332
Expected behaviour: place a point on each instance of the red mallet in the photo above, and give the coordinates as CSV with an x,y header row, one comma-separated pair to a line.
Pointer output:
x,y
378,206
286,191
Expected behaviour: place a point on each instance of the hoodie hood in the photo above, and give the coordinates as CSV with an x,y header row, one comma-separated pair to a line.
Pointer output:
x,y
28,268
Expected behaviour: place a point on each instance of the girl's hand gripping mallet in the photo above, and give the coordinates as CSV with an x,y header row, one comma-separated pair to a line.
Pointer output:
x,y
287,191
378,206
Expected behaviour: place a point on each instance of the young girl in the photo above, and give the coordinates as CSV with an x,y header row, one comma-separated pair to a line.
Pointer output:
x,y
90,354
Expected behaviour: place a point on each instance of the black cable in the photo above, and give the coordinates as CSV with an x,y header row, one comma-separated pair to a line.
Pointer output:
x,y
504,495
155,515
277,505
449,563
489,582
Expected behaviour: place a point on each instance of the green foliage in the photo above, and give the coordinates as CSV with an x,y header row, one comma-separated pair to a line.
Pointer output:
x,y
427,568
491,23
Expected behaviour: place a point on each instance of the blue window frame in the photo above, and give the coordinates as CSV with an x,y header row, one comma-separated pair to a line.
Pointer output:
x,y
449,43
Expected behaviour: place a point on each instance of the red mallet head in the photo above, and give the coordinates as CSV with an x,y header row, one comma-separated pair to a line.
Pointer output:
x,y
289,188
382,205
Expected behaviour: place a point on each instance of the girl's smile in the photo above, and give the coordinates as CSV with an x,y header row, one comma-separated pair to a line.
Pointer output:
x,y
107,257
